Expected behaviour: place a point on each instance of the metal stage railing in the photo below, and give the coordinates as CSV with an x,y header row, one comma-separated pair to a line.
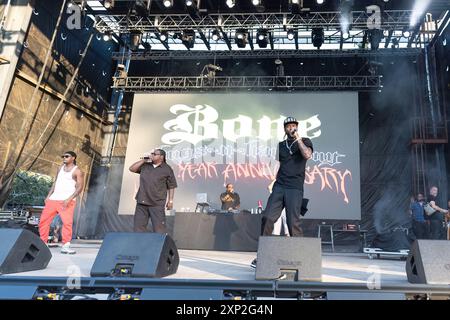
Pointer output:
x,y
142,84
182,289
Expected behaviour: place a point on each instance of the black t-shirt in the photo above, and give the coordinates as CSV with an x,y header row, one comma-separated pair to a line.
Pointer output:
x,y
232,203
154,183
291,174
437,215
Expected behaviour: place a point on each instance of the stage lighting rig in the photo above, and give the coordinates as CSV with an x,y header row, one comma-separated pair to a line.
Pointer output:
x,y
317,37
215,35
135,39
188,38
375,36
291,34
168,3
109,4
231,3
262,38
241,37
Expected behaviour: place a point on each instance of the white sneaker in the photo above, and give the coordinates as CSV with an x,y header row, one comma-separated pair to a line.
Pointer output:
x,y
66,249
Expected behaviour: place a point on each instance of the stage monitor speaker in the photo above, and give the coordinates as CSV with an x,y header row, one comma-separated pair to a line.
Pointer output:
x,y
279,256
22,250
147,255
428,262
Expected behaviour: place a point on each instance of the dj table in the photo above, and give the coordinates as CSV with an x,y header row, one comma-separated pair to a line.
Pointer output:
x,y
216,231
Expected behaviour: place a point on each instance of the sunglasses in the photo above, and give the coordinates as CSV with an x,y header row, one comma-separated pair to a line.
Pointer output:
x,y
66,156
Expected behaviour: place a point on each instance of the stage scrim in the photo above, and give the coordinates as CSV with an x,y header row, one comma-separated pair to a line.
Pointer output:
x,y
212,139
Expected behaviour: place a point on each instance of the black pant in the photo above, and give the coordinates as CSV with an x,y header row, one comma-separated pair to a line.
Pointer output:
x,y
421,230
291,200
156,214
437,229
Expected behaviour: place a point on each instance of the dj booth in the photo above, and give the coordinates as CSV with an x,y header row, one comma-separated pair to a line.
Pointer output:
x,y
215,231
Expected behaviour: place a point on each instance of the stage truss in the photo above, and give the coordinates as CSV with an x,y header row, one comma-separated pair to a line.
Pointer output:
x,y
144,84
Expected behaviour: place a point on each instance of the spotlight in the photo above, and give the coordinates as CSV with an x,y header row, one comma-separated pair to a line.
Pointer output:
x,y
188,38
375,36
135,39
345,35
107,36
256,2
168,3
241,38
215,35
231,3
291,34
189,3
261,38
406,33
108,4
319,1
163,37
295,1
318,37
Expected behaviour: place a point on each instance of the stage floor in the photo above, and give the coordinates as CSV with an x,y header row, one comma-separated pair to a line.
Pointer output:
x,y
226,265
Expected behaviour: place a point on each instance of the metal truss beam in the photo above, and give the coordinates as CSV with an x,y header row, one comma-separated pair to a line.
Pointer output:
x,y
390,19
143,84
263,54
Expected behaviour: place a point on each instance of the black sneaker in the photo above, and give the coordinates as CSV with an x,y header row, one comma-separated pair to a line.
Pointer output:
x,y
253,264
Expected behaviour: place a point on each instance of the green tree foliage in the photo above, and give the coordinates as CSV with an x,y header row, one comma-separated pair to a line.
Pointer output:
x,y
29,189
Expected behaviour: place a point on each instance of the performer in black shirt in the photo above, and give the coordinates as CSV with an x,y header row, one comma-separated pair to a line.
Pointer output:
x,y
287,192
230,199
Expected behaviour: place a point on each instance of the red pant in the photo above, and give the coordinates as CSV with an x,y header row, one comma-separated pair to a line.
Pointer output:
x,y
51,209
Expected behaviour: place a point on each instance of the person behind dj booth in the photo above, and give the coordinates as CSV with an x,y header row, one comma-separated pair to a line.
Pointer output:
x,y
157,185
230,199
287,192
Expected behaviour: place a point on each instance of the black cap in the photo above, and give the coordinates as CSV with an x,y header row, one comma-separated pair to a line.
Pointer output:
x,y
73,154
290,120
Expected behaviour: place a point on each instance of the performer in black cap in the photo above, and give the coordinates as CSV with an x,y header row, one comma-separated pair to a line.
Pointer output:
x,y
287,192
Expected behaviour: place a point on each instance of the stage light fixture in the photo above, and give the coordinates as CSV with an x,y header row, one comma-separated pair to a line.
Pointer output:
x,y
108,4
317,37
241,38
345,35
231,3
375,36
188,38
107,36
135,39
168,3
406,33
215,35
164,36
319,1
291,34
189,3
261,38
256,2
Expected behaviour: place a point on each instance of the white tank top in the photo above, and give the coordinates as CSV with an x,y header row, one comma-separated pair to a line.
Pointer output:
x,y
65,185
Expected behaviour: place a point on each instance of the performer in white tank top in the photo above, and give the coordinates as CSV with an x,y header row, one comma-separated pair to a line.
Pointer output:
x,y
61,200
64,185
